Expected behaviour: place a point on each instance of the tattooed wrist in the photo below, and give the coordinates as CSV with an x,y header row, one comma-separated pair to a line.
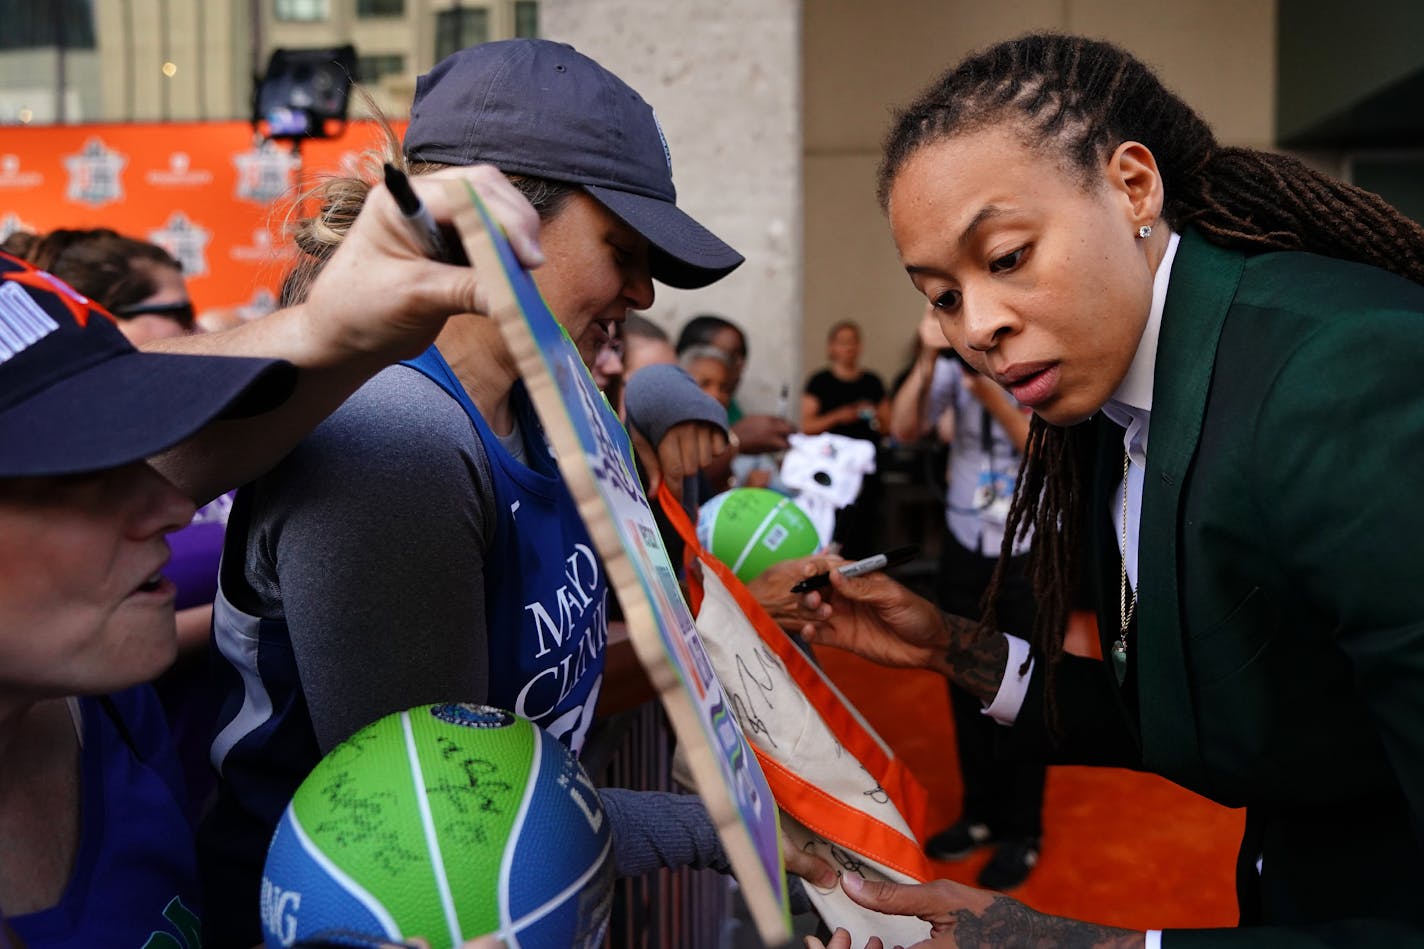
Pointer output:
x,y
1006,922
973,661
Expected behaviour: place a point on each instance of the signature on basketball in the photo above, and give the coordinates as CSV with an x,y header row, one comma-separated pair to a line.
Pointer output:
x,y
478,793
357,821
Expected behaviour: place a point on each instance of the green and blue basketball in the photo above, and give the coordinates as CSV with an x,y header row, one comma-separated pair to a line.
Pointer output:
x,y
448,822
749,529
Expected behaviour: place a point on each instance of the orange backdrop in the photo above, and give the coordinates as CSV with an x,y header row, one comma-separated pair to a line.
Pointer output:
x,y
209,192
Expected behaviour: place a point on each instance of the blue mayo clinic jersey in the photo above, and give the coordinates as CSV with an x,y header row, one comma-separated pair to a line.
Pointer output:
x,y
546,605
546,594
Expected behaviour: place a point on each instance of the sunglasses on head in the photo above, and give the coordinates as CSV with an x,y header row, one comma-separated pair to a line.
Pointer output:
x,y
180,313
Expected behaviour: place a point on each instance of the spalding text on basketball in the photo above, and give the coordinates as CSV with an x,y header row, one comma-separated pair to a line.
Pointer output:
x,y
279,908
583,793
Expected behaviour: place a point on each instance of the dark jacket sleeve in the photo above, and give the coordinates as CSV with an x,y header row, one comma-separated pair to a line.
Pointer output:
x,y
1341,934
1088,726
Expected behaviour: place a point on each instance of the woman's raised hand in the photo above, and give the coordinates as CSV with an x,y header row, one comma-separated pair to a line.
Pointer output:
x,y
381,296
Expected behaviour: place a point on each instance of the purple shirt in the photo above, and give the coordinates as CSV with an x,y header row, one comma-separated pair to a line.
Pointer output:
x,y
135,872
196,550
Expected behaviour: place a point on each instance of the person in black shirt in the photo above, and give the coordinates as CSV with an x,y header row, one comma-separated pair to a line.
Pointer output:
x,y
845,399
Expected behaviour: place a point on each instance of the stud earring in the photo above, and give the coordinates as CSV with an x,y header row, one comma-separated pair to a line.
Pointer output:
x,y
1144,232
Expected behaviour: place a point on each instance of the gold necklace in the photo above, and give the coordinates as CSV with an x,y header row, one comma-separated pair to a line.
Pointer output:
x,y
1125,606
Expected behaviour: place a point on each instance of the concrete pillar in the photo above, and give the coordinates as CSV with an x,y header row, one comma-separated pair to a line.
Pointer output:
x,y
725,79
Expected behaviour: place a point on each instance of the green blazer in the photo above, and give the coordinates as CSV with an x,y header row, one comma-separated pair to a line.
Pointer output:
x,y
1278,657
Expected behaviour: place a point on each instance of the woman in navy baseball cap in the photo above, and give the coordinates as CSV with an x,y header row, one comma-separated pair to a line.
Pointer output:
x,y
93,829
421,542
543,109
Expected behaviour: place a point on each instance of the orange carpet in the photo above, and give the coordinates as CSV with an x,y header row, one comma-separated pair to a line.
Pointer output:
x,y
1119,848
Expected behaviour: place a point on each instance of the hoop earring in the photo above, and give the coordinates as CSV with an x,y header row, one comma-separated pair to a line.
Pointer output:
x,y
1144,232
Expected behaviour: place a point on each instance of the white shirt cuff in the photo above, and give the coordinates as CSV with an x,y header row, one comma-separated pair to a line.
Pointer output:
x,y
1005,707
1154,939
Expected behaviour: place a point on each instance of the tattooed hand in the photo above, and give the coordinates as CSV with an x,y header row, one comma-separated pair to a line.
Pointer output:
x,y
964,918
873,616
880,620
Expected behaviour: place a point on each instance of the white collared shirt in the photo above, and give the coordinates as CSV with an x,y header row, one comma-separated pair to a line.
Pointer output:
x,y
1131,407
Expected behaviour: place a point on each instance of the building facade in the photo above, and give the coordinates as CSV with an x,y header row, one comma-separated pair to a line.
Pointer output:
x,y
773,109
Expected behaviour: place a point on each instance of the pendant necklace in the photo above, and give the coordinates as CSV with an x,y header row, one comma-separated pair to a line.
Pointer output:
x,y
1125,606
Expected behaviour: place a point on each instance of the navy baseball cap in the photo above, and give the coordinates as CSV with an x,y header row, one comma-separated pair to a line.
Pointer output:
x,y
540,108
75,396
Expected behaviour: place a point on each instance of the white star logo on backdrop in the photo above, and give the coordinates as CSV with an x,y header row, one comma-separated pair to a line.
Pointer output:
x,y
94,174
186,241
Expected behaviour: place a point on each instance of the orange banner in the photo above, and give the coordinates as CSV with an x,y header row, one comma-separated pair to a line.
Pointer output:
x,y
211,193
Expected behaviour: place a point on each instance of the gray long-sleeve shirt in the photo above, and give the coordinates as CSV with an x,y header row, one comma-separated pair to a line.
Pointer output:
x,y
370,539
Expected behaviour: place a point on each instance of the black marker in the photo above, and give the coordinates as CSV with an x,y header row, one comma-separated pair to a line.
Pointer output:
x,y
422,225
891,558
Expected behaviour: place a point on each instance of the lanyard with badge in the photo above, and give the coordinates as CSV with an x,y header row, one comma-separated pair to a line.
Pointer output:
x,y
994,491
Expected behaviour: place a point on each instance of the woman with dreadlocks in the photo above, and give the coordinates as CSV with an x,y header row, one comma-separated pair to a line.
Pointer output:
x,y
1090,246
